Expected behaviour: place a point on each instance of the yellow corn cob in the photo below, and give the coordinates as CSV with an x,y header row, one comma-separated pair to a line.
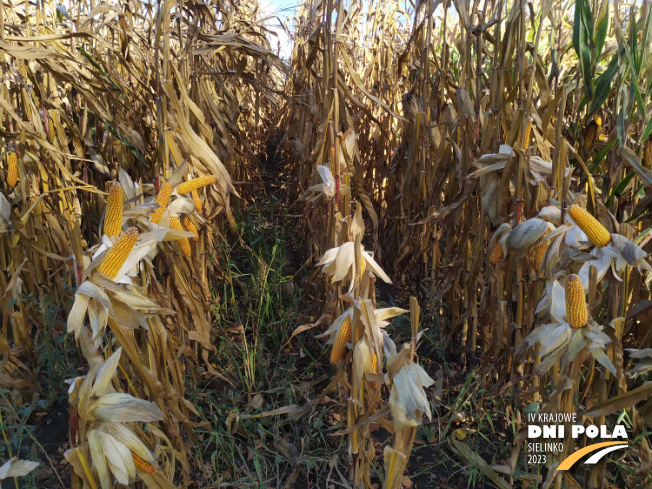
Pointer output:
x,y
196,183
496,254
576,311
528,130
12,169
142,464
539,249
118,253
363,265
191,227
113,216
184,244
590,134
162,200
196,200
374,369
647,154
343,337
596,232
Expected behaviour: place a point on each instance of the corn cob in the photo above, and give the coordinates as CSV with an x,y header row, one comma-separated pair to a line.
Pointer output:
x,y
142,464
12,169
196,200
598,121
363,265
647,154
596,232
196,183
343,337
528,130
539,250
162,200
374,369
118,253
113,216
590,134
576,311
191,227
184,244
496,254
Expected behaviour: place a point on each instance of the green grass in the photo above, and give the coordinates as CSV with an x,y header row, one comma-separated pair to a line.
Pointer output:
x,y
256,309
19,415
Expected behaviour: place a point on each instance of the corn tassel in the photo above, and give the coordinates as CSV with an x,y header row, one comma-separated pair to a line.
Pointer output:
x,y
196,200
162,200
118,253
596,232
576,310
343,337
12,169
196,183
184,244
142,464
113,216
191,227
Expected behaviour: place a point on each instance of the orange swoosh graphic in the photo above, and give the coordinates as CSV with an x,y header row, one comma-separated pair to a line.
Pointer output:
x,y
570,461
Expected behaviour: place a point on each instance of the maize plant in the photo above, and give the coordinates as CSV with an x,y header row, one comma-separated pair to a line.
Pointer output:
x,y
101,441
360,330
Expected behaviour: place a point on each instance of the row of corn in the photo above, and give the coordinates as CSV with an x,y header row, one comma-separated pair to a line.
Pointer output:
x,y
110,94
572,352
371,374
108,418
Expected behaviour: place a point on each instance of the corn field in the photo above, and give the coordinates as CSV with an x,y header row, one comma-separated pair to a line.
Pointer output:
x,y
376,261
